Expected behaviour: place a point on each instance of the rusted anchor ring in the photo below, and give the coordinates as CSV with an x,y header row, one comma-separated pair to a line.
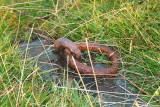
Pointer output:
x,y
64,43
107,72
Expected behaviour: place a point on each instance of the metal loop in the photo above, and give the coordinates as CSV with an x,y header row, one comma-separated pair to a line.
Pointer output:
x,y
63,43
107,72
72,50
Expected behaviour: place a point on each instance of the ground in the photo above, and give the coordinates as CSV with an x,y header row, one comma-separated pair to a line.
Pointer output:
x,y
130,25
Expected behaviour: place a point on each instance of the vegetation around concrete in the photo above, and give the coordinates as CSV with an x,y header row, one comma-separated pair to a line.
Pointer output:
x,y
131,25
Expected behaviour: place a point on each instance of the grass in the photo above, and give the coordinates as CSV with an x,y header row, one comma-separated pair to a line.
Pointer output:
x,y
21,84
131,25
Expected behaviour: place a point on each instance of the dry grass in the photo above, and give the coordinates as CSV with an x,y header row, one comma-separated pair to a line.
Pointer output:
x,y
131,25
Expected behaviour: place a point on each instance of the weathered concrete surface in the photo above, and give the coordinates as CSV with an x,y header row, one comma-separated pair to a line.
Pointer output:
x,y
42,56
114,92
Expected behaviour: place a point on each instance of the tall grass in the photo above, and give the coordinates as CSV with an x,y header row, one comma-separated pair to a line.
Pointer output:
x,y
131,25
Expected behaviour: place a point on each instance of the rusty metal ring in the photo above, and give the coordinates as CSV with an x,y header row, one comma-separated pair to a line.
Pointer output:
x,y
107,72
64,43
